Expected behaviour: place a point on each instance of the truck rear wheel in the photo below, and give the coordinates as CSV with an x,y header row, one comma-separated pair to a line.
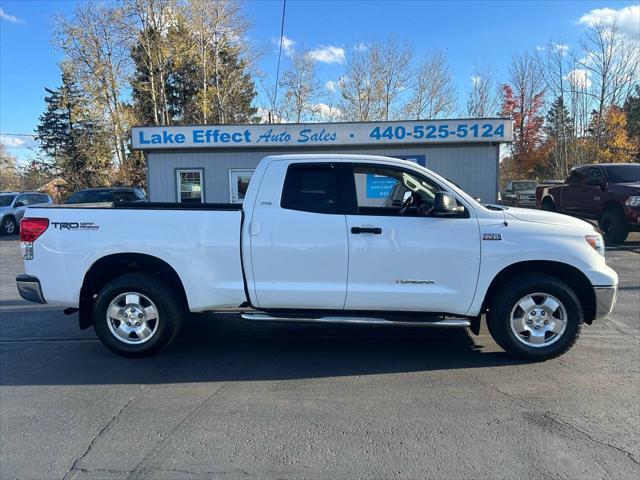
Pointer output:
x,y
136,315
614,226
535,316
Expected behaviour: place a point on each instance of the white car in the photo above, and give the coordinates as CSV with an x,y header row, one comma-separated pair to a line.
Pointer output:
x,y
13,205
317,240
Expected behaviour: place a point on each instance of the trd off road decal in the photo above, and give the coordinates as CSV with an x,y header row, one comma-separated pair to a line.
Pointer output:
x,y
75,225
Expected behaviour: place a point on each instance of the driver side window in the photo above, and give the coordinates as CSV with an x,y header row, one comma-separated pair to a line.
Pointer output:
x,y
390,192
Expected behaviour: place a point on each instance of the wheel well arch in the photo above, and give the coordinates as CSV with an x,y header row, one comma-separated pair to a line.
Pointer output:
x,y
109,267
563,271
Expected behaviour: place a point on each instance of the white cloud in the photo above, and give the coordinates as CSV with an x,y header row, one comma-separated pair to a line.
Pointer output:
x,y
287,45
561,47
327,112
328,54
627,18
11,141
17,141
360,47
10,18
331,85
475,79
540,49
579,78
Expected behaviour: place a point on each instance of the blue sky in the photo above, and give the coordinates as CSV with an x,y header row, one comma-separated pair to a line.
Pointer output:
x,y
469,32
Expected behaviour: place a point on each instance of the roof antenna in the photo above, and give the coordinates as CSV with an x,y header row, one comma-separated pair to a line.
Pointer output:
x,y
504,217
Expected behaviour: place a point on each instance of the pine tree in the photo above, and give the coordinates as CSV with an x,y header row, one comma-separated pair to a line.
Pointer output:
x,y
559,131
632,111
74,142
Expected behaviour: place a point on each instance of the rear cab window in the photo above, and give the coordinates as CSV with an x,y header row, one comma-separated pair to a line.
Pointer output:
x,y
312,188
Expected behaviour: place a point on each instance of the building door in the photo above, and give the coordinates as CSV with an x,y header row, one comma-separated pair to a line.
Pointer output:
x,y
238,184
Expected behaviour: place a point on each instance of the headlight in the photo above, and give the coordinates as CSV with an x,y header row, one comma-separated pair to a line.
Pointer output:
x,y
633,201
596,243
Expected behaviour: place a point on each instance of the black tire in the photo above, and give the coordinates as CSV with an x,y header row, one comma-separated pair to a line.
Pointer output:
x,y
167,303
613,225
506,299
548,205
9,226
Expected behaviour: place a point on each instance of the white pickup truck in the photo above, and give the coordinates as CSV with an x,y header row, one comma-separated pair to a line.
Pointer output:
x,y
323,238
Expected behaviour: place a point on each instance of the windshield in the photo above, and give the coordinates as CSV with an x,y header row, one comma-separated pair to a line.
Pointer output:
x,y
91,196
5,200
519,186
623,173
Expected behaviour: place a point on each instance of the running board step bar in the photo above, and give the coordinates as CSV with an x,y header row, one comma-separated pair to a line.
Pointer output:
x,y
446,323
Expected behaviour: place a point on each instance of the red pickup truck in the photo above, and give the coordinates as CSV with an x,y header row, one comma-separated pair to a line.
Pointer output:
x,y
606,192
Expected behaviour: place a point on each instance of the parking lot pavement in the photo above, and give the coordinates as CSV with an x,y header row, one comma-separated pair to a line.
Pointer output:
x,y
232,399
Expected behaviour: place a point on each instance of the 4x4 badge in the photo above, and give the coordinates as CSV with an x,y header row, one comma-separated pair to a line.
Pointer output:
x,y
492,236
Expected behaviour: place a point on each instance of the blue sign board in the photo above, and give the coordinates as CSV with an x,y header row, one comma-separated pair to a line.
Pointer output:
x,y
421,132
379,186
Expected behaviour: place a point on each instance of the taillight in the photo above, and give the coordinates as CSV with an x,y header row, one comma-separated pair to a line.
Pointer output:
x,y
32,228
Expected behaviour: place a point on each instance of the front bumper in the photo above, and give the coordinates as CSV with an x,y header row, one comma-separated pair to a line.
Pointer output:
x,y
29,288
605,300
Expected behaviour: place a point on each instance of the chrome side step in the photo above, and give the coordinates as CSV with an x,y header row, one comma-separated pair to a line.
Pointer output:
x,y
446,323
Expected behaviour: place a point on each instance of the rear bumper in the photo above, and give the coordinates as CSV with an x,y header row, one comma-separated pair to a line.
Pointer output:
x,y
605,300
30,289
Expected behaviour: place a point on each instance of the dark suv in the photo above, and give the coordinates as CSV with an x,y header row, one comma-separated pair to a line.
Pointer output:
x,y
106,196
607,192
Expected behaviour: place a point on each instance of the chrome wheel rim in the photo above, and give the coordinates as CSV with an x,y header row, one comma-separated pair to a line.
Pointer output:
x,y
9,226
132,318
538,320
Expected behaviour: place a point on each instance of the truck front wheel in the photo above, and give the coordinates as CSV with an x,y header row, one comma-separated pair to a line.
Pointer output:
x,y
613,225
136,315
535,316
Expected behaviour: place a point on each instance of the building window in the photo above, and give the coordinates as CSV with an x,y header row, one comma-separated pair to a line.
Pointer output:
x,y
190,186
238,184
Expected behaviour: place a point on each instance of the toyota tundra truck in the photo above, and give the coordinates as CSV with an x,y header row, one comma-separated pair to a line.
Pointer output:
x,y
317,240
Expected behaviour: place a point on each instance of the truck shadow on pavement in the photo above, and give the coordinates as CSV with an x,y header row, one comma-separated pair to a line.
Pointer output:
x,y
227,349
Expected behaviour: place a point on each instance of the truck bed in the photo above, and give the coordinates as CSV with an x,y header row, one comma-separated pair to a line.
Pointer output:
x,y
200,242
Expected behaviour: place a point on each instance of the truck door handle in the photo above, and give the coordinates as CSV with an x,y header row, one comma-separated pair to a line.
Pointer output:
x,y
374,230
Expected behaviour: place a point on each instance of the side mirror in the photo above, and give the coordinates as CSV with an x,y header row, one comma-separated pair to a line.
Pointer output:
x,y
18,204
444,205
406,196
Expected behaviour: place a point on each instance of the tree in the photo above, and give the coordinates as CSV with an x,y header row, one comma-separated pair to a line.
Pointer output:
x,y
358,88
300,89
614,144
72,138
96,44
632,110
522,101
483,99
9,175
559,132
222,59
612,62
434,92
149,22
391,63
